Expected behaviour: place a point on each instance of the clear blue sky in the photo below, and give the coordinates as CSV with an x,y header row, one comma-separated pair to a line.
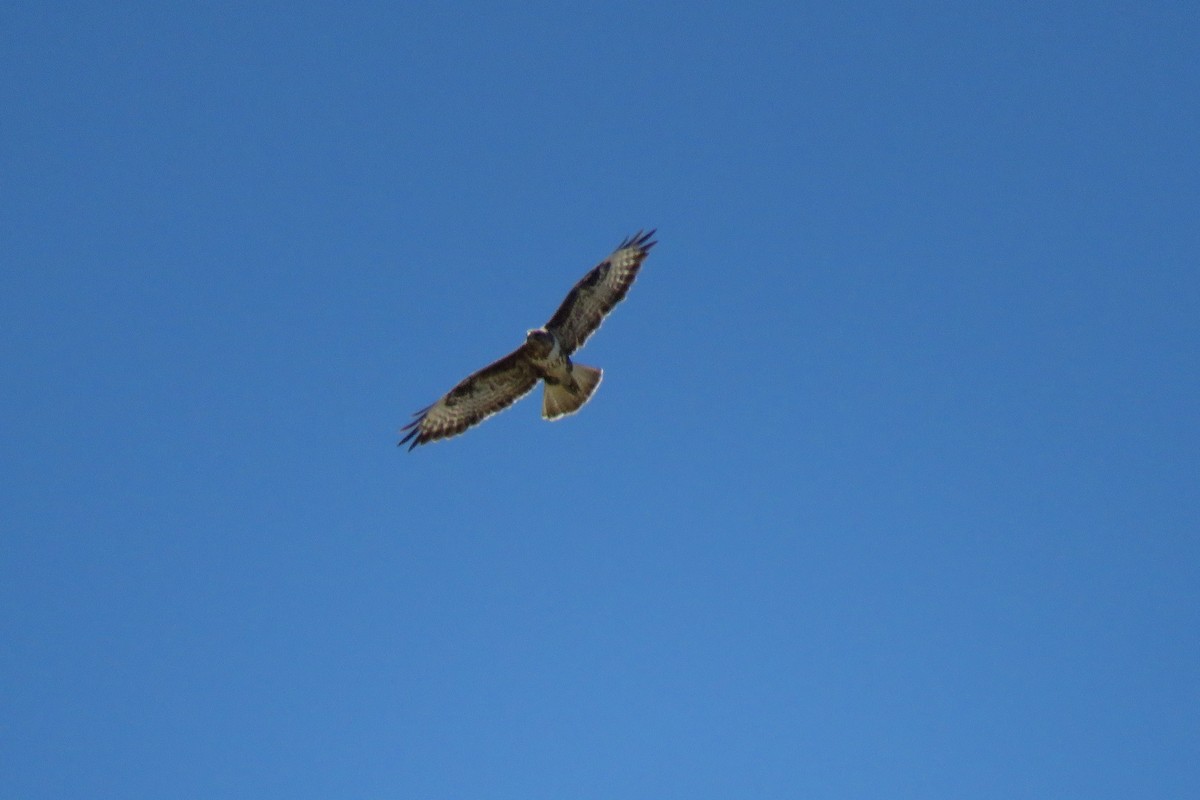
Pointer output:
x,y
892,488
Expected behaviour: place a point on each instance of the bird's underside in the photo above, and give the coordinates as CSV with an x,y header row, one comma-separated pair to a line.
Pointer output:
x,y
545,356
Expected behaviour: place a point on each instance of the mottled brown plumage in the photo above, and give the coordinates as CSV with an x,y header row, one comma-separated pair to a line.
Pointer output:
x,y
544,356
590,300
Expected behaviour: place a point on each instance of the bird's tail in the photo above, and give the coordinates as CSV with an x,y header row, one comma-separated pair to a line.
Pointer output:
x,y
560,399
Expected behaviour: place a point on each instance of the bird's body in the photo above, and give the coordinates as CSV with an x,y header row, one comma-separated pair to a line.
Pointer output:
x,y
567,385
545,356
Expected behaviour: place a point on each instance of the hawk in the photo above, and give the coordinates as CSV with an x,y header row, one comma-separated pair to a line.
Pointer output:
x,y
545,356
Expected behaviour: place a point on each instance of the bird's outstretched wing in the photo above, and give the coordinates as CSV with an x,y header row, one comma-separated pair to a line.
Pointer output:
x,y
491,389
597,292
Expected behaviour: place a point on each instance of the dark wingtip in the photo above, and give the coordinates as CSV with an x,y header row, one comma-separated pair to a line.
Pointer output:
x,y
420,417
640,240
410,435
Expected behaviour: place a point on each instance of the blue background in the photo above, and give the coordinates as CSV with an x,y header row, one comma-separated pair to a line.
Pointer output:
x,y
892,488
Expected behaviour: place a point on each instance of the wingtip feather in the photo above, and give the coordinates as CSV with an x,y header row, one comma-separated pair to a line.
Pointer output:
x,y
640,240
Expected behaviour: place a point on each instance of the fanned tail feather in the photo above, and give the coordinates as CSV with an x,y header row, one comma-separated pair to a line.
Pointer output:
x,y
561,399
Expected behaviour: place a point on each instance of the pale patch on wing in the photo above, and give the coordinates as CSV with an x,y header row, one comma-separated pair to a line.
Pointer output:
x,y
590,300
477,397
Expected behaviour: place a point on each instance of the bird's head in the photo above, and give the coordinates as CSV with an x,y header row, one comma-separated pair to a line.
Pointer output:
x,y
540,341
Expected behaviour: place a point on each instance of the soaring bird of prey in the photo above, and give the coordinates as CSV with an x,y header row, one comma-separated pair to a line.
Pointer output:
x,y
545,356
